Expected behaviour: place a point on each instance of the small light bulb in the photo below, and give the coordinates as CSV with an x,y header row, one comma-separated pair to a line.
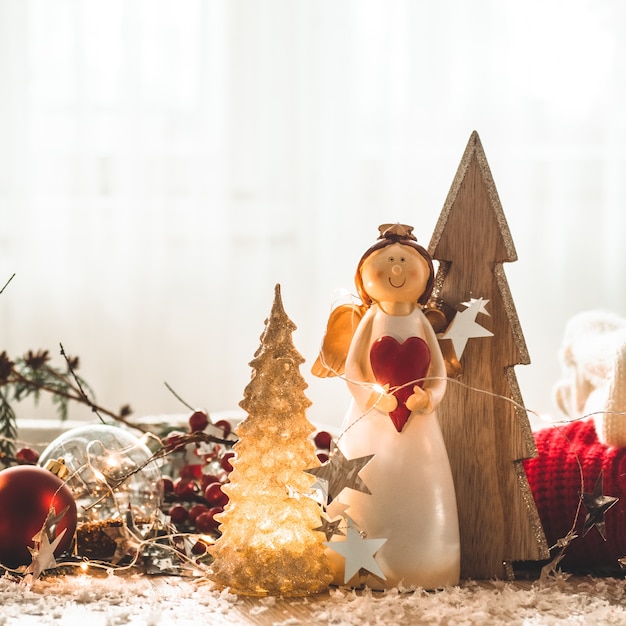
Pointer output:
x,y
112,461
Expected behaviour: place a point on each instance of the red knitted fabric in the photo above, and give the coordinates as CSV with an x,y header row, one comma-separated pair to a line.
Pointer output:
x,y
555,480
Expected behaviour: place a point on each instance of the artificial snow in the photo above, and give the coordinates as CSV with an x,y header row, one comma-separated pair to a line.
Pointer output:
x,y
114,600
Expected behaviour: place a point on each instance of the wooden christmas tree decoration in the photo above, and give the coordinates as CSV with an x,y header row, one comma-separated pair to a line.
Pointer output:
x,y
268,545
486,435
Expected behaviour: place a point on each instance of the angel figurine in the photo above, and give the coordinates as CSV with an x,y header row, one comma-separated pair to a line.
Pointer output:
x,y
389,355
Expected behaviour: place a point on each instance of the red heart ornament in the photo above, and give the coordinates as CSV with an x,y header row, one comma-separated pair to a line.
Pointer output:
x,y
396,364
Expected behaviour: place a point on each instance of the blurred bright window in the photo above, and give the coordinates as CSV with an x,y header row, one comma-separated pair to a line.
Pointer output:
x,y
163,164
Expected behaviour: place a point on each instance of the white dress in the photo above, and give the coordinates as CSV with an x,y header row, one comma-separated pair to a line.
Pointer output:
x,y
413,503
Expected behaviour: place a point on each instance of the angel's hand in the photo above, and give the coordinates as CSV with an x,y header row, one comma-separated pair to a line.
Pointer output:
x,y
382,400
419,400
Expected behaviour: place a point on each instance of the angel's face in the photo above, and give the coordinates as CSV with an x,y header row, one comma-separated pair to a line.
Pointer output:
x,y
396,273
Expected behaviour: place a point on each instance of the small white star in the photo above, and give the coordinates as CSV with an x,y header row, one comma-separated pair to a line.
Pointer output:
x,y
483,307
319,491
341,473
336,509
465,327
43,553
330,527
165,565
357,552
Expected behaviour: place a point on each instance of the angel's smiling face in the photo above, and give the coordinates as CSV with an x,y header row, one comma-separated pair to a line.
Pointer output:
x,y
396,273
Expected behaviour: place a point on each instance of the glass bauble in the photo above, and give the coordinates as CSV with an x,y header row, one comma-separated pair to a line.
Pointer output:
x,y
109,472
27,494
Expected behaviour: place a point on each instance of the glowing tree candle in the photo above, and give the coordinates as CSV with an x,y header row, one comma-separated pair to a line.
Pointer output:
x,y
268,545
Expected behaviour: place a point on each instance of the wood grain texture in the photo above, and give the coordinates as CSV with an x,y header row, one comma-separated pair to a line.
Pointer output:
x,y
487,435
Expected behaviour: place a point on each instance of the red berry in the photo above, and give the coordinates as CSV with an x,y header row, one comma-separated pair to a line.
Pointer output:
x,y
199,548
196,510
191,472
225,426
168,484
198,421
207,479
178,514
184,489
27,456
214,495
323,440
322,456
206,522
225,461
174,440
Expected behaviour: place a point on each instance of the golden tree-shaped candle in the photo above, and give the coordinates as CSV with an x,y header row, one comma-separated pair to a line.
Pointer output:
x,y
268,545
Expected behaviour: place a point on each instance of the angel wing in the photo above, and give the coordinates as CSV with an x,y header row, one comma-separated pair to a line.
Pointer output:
x,y
341,325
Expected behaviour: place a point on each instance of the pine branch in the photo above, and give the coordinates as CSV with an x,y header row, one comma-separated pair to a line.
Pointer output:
x,y
30,376
8,429
79,395
171,390
7,283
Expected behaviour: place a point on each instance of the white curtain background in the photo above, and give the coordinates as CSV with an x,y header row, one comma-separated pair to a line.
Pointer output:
x,y
163,164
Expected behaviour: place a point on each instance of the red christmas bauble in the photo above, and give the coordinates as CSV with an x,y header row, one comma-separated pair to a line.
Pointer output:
x,y
26,494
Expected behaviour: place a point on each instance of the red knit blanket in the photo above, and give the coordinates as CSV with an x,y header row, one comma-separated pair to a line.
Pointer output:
x,y
570,460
